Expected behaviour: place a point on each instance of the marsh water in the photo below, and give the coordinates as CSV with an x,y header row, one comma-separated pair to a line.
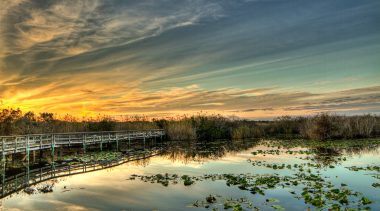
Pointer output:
x,y
223,175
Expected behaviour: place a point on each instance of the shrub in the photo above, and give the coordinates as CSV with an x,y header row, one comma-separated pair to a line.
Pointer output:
x,y
180,130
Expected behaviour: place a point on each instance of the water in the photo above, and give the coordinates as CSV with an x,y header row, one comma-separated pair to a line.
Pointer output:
x,y
112,188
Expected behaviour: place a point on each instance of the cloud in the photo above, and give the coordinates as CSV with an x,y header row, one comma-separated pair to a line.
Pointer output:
x,y
53,38
256,109
116,99
255,58
363,99
57,29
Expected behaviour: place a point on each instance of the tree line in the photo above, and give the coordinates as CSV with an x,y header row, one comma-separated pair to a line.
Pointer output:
x,y
321,126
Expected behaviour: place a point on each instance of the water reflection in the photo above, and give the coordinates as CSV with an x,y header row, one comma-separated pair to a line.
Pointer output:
x,y
327,154
19,174
196,158
186,152
19,171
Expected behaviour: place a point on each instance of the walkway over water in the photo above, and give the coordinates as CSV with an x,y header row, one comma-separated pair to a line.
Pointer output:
x,y
27,143
14,183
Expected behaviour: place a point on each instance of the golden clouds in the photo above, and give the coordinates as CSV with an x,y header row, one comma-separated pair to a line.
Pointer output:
x,y
172,57
92,94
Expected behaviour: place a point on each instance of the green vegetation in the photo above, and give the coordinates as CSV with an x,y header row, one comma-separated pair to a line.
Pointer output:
x,y
367,168
165,178
93,156
316,190
304,181
201,127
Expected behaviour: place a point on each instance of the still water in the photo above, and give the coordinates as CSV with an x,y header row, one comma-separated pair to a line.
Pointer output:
x,y
124,187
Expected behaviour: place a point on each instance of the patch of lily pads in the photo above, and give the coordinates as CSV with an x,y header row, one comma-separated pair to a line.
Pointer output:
x,y
278,152
165,179
315,189
366,168
217,202
337,144
92,157
43,188
306,183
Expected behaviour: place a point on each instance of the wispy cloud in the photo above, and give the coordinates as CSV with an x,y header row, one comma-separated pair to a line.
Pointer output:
x,y
40,37
254,58
115,100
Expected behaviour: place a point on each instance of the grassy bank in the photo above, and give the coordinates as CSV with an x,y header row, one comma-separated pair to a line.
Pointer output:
x,y
211,127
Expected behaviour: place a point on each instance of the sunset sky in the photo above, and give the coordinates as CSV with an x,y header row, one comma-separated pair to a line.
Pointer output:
x,y
249,58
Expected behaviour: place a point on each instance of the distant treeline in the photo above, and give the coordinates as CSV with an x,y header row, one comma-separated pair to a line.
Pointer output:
x,y
318,127
201,127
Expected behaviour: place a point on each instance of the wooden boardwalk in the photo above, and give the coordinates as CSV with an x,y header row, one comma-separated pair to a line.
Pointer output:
x,y
32,142
25,179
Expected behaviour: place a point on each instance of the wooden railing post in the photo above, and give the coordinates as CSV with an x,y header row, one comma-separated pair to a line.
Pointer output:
x,y
3,149
101,142
27,148
15,145
129,140
84,142
40,142
144,139
16,182
52,145
3,180
3,163
27,159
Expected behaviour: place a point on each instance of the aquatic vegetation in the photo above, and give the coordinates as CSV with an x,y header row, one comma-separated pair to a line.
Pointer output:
x,y
30,190
268,181
365,201
44,188
210,199
92,156
277,207
257,184
302,176
313,145
316,190
272,200
187,180
217,202
367,168
164,179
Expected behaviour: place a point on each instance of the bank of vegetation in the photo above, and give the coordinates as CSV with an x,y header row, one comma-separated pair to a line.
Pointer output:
x,y
322,126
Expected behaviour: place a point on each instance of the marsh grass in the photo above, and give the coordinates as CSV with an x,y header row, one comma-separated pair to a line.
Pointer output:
x,y
202,127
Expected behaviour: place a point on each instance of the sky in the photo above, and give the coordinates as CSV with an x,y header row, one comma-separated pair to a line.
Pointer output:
x,y
248,58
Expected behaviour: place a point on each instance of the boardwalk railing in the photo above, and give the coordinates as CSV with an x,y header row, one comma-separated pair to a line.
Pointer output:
x,y
22,180
26,143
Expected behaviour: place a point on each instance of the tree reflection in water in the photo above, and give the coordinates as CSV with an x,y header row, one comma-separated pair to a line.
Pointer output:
x,y
202,151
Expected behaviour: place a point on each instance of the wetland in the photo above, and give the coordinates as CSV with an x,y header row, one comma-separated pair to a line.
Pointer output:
x,y
219,175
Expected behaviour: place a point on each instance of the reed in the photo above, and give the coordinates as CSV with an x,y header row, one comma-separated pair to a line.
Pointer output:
x,y
202,127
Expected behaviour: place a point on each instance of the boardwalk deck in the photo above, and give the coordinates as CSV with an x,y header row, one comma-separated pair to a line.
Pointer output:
x,y
27,143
